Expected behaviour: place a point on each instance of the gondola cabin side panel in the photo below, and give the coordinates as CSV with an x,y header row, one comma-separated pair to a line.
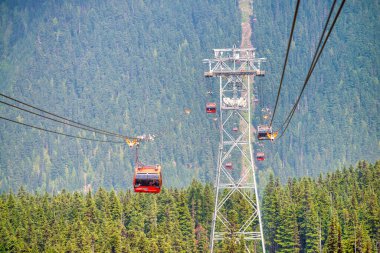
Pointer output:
x,y
147,179
260,156
211,108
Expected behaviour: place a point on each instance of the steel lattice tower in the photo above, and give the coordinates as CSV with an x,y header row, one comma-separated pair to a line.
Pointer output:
x,y
236,198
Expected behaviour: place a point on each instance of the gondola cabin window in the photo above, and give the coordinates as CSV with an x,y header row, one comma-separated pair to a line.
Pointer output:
x,y
147,179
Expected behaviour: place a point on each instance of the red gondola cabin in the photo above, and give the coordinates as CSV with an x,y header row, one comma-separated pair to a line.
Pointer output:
x,y
148,179
260,156
228,165
211,107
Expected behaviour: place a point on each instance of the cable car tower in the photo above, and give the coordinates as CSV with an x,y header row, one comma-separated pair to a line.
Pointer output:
x,y
235,179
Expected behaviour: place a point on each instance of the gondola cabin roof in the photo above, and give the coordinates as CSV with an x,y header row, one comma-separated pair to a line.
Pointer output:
x,y
264,128
155,169
260,154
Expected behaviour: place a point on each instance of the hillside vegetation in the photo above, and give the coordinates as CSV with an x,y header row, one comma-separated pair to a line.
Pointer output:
x,y
125,66
133,67
334,213
338,119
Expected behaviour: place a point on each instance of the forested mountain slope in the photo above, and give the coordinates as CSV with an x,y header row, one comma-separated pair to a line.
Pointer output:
x,y
133,66
338,119
336,214
125,66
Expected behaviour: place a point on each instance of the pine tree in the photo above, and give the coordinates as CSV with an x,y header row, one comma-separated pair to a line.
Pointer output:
x,y
186,223
231,241
114,207
333,243
271,213
202,242
287,236
309,220
207,206
151,218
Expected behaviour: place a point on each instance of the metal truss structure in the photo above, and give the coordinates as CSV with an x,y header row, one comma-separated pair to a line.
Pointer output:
x,y
236,198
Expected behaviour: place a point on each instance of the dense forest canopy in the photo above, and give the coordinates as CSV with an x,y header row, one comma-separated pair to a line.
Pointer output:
x,y
336,213
127,66
134,66
337,121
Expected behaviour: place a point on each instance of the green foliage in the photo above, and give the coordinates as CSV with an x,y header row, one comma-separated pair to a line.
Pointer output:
x,y
104,222
334,238
337,120
125,66
329,214
294,218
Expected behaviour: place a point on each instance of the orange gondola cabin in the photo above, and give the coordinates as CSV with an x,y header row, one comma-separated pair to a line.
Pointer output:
x,y
211,107
260,156
148,179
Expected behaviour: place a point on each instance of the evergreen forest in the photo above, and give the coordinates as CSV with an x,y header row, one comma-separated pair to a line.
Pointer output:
x,y
133,67
336,213
337,120
126,66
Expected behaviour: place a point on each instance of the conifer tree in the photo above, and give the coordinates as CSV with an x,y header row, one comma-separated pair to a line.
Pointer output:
x,y
202,242
309,220
207,206
151,218
287,235
231,241
114,206
334,243
186,223
271,213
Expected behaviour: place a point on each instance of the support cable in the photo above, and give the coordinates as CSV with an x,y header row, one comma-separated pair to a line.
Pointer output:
x,y
55,132
55,120
90,128
286,60
315,54
312,66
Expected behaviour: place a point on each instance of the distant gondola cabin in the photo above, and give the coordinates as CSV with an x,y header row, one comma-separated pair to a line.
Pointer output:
x,y
228,165
211,107
187,111
148,179
260,156
263,132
